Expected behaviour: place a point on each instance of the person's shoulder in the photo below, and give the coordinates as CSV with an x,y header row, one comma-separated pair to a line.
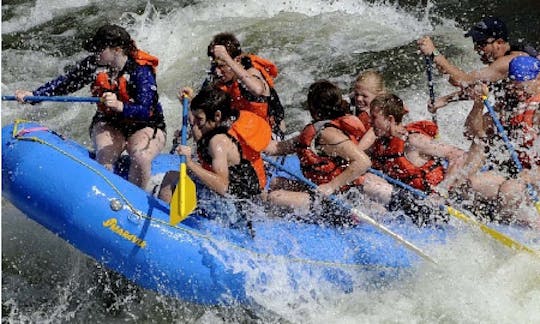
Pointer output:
x,y
221,141
503,62
510,55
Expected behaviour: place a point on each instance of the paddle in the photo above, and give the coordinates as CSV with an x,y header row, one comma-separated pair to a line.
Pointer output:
x,y
429,71
184,199
54,98
512,151
361,216
504,239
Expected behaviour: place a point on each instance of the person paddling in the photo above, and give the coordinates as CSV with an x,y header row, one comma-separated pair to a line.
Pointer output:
x,y
411,154
497,184
229,162
491,42
129,116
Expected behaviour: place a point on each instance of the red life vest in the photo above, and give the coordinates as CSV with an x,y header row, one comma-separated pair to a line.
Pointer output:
x,y
388,155
319,168
104,83
253,135
239,101
365,118
523,133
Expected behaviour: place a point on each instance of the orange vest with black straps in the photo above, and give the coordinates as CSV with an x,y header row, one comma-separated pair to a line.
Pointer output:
x,y
523,133
319,168
239,102
388,155
253,135
104,83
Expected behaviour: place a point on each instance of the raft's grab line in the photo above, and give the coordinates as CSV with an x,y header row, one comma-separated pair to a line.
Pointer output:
x,y
19,135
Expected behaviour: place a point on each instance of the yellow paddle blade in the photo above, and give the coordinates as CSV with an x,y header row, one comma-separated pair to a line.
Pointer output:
x,y
491,232
184,199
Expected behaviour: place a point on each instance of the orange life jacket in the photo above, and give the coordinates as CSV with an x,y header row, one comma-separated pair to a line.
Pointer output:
x,y
523,133
253,135
239,101
388,155
319,168
104,82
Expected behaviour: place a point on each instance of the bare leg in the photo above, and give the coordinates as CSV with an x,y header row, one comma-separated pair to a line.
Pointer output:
x,y
377,189
170,181
142,148
292,199
487,184
109,144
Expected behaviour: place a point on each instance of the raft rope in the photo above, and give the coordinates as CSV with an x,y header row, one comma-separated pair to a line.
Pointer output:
x,y
20,135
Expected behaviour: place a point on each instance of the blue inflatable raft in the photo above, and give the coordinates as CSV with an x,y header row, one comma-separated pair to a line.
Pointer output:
x,y
55,182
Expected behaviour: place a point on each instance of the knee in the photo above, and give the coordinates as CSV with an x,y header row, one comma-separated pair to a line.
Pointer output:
x,y
141,157
511,191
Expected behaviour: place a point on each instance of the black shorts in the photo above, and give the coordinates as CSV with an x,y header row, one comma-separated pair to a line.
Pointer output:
x,y
127,127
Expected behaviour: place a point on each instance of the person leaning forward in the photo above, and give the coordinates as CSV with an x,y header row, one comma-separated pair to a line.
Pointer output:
x,y
129,117
491,42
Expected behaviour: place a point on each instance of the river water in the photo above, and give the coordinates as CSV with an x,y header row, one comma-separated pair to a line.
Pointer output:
x,y
46,280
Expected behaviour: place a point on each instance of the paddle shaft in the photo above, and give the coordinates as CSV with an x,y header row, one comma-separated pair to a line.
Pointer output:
x,y
530,189
362,216
54,99
429,71
502,238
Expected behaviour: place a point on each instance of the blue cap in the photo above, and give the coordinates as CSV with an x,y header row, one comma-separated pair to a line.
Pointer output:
x,y
489,27
523,68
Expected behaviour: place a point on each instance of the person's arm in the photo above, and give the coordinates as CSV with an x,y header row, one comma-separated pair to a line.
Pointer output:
x,y
74,79
475,123
442,101
335,143
367,140
472,161
217,179
494,72
251,78
427,146
145,97
282,147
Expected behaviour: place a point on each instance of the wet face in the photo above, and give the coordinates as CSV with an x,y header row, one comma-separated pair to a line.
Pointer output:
x,y
200,125
363,96
486,50
223,72
107,56
381,123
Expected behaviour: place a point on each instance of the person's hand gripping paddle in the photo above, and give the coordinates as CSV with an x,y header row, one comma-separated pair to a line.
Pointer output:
x,y
184,199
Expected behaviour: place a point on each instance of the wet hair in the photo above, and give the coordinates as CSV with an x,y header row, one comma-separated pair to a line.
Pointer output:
x,y
231,43
373,80
325,101
211,99
110,36
389,105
